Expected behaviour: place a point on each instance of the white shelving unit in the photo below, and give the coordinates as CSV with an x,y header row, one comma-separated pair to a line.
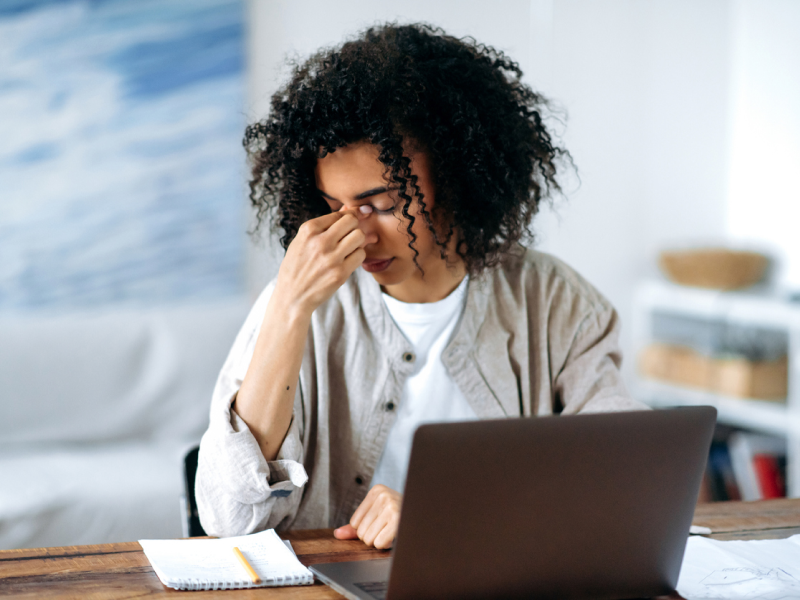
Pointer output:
x,y
753,309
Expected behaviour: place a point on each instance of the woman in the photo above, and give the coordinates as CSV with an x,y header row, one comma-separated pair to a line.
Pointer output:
x,y
403,168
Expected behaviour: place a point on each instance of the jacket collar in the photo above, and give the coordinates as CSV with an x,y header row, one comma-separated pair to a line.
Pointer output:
x,y
483,388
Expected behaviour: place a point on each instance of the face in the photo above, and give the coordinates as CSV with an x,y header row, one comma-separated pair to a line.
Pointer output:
x,y
352,177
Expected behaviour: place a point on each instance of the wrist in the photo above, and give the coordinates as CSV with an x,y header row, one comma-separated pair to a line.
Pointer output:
x,y
293,311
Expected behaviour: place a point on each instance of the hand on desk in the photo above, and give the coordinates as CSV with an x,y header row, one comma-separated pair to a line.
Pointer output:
x,y
375,520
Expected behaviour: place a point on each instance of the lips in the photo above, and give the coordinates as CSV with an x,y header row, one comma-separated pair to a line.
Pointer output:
x,y
376,265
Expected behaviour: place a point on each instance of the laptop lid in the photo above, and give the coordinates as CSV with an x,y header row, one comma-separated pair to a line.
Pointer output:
x,y
584,506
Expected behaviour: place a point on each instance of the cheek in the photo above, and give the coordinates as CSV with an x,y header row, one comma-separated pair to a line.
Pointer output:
x,y
394,230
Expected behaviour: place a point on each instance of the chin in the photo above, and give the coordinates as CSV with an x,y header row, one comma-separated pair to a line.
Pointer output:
x,y
384,278
387,277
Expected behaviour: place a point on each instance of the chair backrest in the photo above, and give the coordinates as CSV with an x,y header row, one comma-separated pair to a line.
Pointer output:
x,y
192,526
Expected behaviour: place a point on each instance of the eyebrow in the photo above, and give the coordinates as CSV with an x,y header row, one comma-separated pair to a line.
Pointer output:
x,y
362,195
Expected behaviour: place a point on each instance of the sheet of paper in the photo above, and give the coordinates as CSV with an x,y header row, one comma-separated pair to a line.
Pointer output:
x,y
741,570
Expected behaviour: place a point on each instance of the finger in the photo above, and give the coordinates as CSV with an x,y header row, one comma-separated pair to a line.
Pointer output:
x,y
362,212
362,509
371,524
346,532
354,260
354,239
367,503
387,535
347,222
371,532
323,223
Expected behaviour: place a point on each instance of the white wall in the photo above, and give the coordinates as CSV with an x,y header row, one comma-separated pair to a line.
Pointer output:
x,y
649,91
764,189
645,85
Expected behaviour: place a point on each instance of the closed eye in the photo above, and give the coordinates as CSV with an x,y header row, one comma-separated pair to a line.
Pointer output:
x,y
385,211
336,206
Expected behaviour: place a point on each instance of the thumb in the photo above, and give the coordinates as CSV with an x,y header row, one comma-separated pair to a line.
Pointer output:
x,y
346,532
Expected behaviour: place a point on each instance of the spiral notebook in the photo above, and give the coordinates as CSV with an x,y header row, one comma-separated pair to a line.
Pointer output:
x,y
212,564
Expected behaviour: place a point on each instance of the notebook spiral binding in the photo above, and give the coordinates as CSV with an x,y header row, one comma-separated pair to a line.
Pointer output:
x,y
206,584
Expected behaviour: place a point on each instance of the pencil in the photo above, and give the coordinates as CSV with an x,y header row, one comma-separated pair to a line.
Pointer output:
x,y
250,571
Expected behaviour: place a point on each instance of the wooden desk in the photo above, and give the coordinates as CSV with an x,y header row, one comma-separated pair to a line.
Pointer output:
x,y
122,571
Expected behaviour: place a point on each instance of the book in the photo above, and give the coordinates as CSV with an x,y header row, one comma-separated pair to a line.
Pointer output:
x,y
770,479
212,564
723,480
743,448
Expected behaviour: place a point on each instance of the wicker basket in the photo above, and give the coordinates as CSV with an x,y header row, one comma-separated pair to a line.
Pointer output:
x,y
761,380
715,268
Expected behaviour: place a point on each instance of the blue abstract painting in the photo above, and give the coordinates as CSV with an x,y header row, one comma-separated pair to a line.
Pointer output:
x,y
121,168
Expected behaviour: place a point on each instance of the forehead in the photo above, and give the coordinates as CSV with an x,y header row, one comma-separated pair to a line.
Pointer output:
x,y
357,167
350,168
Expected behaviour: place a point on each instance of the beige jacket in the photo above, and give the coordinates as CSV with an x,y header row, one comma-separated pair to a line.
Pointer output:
x,y
535,339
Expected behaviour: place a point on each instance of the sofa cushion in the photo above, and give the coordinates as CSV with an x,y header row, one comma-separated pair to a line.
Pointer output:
x,y
117,375
92,495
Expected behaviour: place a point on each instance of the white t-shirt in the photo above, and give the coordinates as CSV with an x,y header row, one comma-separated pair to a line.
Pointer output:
x,y
429,394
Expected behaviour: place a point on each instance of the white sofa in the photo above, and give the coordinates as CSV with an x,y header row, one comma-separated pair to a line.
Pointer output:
x,y
96,413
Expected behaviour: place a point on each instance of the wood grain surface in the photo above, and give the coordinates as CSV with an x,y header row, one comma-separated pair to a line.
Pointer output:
x,y
116,571
764,519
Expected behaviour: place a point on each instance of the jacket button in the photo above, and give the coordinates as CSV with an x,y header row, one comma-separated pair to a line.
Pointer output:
x,y
390,406
359,481
408,357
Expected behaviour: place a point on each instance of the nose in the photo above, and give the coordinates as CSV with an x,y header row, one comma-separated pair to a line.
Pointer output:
x,y
362,213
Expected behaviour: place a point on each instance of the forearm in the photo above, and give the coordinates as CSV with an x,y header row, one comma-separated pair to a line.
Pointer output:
x,y
266,397
319,260
238,491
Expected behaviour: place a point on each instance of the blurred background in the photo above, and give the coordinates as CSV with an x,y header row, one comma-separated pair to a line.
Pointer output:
x,y
126,270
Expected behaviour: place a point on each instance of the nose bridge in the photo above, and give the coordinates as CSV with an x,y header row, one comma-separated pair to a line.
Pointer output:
x,y
365,223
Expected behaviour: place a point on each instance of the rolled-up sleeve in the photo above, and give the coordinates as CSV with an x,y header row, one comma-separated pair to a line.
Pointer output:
x,y
584,345
237,490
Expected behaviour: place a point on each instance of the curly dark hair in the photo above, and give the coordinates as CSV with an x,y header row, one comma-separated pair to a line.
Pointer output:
x,y
493,160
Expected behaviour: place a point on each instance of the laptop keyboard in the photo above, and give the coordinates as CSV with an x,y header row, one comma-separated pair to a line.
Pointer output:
x,y
376,589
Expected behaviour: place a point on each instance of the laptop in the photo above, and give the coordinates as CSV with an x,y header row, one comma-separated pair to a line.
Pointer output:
x,y
584,506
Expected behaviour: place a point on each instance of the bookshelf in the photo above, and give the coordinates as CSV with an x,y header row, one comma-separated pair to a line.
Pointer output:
x,y
748,308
